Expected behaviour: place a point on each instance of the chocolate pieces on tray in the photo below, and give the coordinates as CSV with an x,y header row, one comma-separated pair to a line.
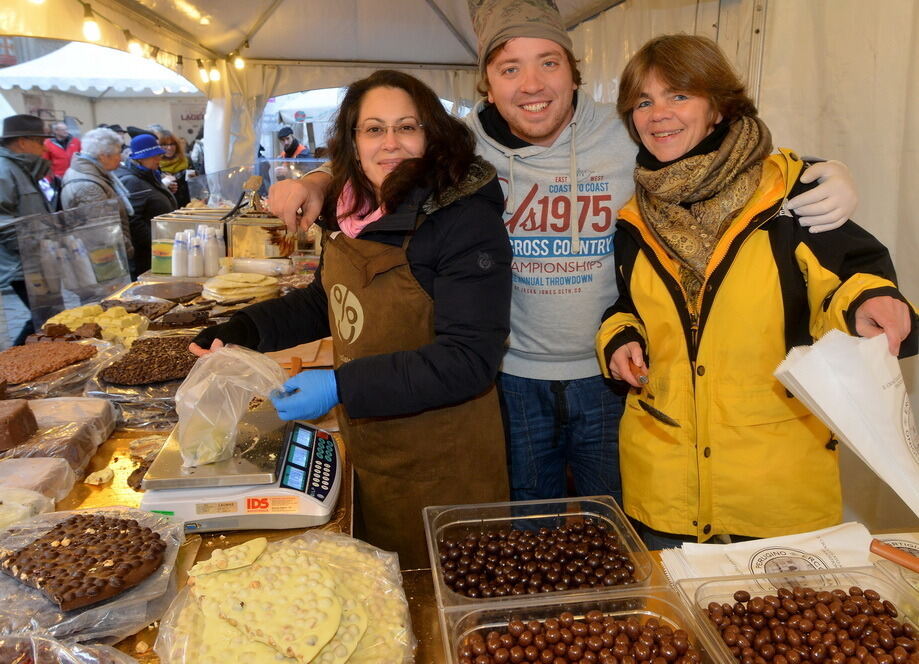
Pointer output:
x,y
152,360
177,291
86,559
143,307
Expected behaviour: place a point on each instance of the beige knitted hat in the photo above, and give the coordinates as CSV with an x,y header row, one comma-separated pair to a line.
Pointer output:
x,y
496,21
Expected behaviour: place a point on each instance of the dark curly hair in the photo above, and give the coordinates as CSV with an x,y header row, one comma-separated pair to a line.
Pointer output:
x,y
449,149
688,63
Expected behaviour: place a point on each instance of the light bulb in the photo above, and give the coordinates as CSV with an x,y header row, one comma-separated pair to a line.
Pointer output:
x,y
91,29
202,72
215,74
238,62
37,2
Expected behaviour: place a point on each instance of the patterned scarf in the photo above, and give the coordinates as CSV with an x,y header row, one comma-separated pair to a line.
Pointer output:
x,y
689,204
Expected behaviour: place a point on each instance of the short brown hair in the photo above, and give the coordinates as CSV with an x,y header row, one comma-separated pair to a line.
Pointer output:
x,y
688,63
483,86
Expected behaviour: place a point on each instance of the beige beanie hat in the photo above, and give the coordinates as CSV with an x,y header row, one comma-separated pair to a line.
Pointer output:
x,y
496,21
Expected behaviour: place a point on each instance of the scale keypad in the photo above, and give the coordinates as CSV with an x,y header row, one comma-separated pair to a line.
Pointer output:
x,y
310,463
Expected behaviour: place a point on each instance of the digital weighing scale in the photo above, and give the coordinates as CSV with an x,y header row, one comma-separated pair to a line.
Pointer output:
x,y
281,475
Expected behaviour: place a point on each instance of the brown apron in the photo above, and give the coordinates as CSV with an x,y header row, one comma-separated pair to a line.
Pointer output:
x,y
443,456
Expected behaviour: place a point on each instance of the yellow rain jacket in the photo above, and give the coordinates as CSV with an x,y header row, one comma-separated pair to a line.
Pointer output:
x,y
748,459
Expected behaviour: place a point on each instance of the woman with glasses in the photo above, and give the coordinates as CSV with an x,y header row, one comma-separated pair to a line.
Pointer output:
x,y
414,287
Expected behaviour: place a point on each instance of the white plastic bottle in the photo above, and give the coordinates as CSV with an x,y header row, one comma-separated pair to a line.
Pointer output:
x,y
82,266
49,266
179,255
211,253
196,259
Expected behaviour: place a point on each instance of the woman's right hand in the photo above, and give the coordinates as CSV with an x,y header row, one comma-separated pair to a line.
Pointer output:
x,y
298,202
619,362
198,351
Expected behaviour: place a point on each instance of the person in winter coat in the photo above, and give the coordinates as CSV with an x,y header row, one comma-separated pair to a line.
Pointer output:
x,y
21,168
291,147
414,287
149,197
542,132
90,180
60,148
717,281
175,163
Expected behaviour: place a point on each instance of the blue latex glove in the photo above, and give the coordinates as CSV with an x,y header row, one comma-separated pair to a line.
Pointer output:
x,y
307,395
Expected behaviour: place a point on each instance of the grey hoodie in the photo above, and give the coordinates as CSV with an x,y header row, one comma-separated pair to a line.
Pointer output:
x,y
560,294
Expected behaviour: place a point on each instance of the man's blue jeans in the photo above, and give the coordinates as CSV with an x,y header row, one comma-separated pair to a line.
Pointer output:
x,y
551,425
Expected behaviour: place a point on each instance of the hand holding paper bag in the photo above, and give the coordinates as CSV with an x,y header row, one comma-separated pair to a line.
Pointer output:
x,y
887,315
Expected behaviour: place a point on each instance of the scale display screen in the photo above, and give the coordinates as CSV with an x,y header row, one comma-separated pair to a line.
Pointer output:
x,y
303,436
294,478
298,455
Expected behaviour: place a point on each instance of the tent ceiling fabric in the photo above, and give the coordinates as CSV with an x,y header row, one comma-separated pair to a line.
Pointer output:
x,y
343,31
91,71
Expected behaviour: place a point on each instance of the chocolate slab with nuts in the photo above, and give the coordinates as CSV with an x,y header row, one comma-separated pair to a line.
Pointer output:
x,y
152,360
86,559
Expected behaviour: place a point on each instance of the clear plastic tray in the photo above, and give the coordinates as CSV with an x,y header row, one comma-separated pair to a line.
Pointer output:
x,y
900,574
640,602
698,593
458,521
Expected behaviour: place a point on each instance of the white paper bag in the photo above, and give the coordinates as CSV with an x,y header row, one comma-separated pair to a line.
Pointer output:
x,y
855,387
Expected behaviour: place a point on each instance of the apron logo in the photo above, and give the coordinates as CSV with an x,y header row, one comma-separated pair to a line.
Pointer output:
x,y
347,313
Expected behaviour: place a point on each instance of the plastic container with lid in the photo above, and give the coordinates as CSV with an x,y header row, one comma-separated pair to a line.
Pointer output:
x,y
457,522
698,593
642,603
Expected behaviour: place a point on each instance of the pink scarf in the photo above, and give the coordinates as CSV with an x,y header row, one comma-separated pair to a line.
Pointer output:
x,y
354,224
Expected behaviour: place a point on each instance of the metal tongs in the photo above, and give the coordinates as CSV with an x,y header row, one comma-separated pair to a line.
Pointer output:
x,y
248,198
641,373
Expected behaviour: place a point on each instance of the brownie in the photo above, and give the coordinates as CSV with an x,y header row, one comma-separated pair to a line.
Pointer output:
x,y
152,360
17,423
55,330
86,559
89,331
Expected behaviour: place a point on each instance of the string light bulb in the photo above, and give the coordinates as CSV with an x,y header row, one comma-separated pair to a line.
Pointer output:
x,y
238,61
202,72
91,29
214,73
134,46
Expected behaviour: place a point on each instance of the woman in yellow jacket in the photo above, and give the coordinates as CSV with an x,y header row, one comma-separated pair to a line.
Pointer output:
x,y
716,284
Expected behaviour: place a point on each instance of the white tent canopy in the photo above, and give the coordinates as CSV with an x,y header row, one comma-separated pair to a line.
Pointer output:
x,y
95,71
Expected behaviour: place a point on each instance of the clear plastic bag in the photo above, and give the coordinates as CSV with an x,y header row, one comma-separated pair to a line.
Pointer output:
x,y
71,428
49,476
34,649
72,257
25,610
214,397
69,380
366,579
19,504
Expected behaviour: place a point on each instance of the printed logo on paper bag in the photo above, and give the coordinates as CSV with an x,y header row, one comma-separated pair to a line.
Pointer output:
x,y
785,560
347,313
910,432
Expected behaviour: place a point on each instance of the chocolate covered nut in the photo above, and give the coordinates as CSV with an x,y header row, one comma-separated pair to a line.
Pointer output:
x,y
838,627
88,565
152,360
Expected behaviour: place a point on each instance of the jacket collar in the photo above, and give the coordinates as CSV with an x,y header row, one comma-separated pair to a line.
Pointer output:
x,y
422,199
31,164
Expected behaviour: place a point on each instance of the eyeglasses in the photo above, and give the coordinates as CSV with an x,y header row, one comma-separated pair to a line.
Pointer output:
x,y
375,131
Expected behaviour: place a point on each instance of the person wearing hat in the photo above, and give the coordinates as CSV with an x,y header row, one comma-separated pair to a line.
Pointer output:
x,y
541,133
148,195
292,148
21,168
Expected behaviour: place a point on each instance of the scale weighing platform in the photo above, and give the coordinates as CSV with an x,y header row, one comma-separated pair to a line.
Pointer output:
x,y
281,475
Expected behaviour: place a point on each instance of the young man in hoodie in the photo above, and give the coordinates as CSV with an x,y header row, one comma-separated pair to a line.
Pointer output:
x,y
541,134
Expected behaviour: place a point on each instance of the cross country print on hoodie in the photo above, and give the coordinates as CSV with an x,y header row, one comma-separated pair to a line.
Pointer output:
x,y
564,276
